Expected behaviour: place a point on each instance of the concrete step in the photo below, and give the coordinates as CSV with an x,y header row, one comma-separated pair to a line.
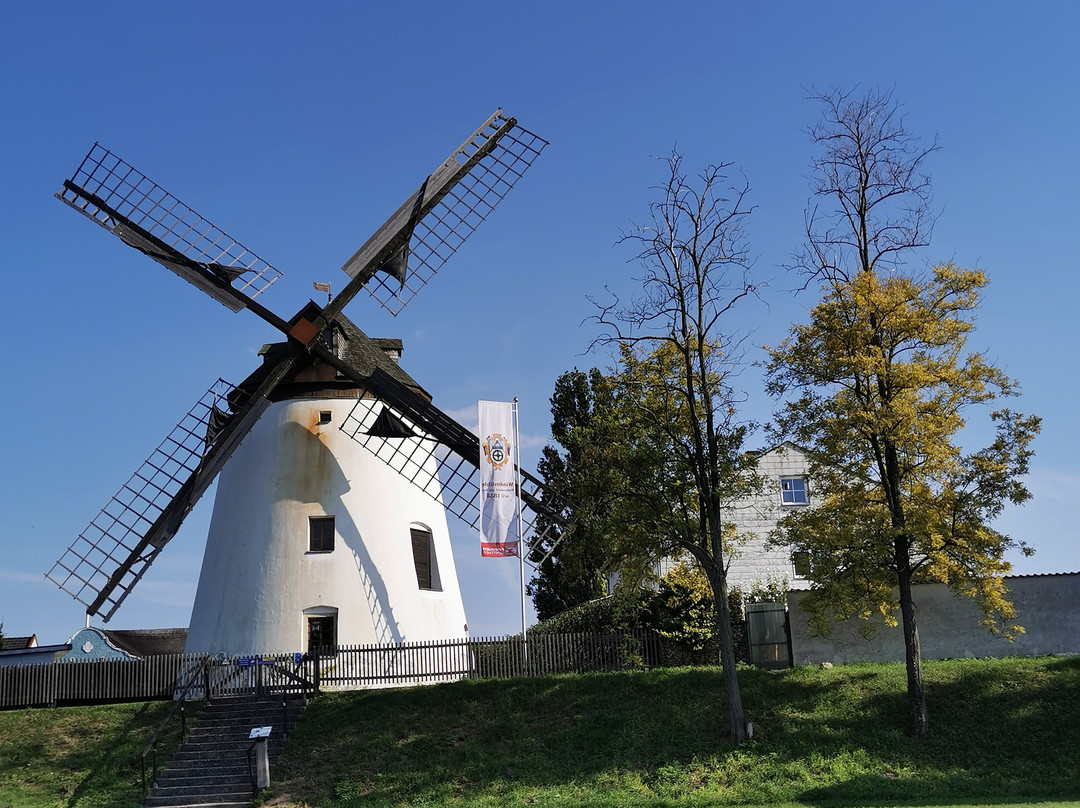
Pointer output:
x,y
235,743
233,791
211,768
208,756
233,768
249,715
168,802
199,778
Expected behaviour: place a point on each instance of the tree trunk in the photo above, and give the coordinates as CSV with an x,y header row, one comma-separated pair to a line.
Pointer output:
x,y
917,716
737,724
714,571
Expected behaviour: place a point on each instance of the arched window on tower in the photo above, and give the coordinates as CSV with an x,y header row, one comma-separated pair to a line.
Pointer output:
x,y
320,623
423,551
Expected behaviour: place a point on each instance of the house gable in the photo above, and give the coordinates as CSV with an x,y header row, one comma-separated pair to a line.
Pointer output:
x,y
786,471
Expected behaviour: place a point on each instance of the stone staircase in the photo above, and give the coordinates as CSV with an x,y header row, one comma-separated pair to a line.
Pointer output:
x,y
211,768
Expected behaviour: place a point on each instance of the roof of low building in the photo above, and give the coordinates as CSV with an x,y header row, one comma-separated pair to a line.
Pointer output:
x,y
18,643
149,641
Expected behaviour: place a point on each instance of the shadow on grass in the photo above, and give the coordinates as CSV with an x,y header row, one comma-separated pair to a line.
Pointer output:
x,y
107,758
76,756
1000,733
944,802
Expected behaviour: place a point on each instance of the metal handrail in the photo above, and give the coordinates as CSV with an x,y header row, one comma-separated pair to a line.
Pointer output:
x,y
305,683
223,683
202,671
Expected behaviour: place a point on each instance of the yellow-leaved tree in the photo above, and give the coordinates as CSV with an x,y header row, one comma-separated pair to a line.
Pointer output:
x,y
877,386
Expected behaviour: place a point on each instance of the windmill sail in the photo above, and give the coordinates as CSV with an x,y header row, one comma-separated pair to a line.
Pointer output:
x,y
113,552
110,556
430,226
145,216
455,482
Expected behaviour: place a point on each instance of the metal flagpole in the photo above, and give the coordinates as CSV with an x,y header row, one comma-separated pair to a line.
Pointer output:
x,y
521,537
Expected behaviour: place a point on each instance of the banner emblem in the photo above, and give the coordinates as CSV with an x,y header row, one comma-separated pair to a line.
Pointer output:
x,y
497,450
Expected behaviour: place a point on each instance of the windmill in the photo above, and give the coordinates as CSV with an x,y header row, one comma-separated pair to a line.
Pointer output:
x,y
336,470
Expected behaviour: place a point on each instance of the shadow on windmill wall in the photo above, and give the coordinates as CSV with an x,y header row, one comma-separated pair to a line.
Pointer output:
x,y
308,472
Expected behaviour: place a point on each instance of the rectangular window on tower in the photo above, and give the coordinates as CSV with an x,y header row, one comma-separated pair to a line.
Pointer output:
x,y
320,534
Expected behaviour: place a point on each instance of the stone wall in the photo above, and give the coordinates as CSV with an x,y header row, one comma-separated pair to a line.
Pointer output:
x,y
1048,607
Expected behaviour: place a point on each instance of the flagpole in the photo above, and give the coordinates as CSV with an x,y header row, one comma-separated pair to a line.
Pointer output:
x,y
521,537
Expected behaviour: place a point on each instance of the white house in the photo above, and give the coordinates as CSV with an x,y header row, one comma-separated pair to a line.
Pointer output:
x,y
785,469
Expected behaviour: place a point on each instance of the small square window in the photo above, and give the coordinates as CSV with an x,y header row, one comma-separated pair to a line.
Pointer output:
x,y
320,534
324,417
793,491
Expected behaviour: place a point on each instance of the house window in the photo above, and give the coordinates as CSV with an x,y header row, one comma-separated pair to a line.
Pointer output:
x,y
427,573
324,417
793,491
320,534
800,559
322,633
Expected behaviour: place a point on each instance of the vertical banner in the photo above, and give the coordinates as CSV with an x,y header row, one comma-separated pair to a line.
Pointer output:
x,y
498,483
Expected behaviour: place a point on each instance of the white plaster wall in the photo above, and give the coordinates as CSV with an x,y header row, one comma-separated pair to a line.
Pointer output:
x,y
258,576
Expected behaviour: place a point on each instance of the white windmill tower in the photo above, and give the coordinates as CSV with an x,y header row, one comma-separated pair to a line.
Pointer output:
x,y
316,542
329,524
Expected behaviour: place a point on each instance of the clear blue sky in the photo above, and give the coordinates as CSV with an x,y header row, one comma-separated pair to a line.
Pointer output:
x,y
299,127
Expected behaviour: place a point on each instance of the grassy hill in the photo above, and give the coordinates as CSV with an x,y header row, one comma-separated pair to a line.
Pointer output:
x,y
1002,732
79,756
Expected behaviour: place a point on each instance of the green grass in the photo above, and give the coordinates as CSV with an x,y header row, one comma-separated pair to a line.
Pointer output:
x,y
82,757
1002,732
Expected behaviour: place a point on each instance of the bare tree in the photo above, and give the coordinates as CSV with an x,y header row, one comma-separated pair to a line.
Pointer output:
x,y
677,363
872,194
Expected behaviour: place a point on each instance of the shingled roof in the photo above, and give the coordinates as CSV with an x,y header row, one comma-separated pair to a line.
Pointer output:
x,y
366,354
17,643
352,345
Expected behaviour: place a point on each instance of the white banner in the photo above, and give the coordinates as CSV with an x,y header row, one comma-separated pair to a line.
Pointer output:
x,y
498,480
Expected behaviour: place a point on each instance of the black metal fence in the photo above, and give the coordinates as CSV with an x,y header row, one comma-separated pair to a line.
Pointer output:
x,y
342,668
